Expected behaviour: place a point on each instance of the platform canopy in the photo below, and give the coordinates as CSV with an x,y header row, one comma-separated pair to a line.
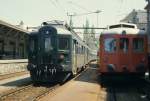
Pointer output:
x,y
7,29
13,41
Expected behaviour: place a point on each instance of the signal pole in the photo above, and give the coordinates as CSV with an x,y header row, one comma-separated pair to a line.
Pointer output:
x,y
70,22
82,14
148,33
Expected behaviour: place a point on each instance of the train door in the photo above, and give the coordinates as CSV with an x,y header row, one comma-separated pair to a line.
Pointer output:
x,y
124,54
74,56
139,54
32,46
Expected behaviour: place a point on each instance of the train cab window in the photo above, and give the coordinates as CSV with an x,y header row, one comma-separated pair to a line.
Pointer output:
x,y
124,44
138,44
110,44
63,43
32,44
48,45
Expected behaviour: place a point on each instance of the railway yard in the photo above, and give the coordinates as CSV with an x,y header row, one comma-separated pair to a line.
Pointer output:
x,y
86,86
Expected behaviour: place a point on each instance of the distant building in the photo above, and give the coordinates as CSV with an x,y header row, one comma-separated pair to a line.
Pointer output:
x,y
138,17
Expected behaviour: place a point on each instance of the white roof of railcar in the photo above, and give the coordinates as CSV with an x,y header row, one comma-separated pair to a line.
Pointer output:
x,y
123,27
61,29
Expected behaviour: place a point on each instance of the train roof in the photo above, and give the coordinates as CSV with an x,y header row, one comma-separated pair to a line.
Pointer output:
x,y
64,29
123,28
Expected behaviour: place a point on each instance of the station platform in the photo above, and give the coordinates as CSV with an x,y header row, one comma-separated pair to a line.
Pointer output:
x,y
83,88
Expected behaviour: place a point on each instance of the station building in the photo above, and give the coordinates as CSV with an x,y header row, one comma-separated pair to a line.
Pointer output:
x,y
13,48
138,17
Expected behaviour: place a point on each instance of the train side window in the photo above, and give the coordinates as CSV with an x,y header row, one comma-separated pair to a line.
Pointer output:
x,y
64,43
138,44
124,44
74,44
110,44
82,49
76,49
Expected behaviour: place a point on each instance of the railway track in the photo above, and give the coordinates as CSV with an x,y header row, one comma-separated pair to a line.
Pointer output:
x,y
6,76
30,92
27,93
139,91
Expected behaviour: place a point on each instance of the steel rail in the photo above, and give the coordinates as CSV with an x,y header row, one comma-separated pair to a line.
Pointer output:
x,y
14,91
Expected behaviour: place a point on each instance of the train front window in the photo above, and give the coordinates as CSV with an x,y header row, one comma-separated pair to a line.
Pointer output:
x,y
48,45
32,44
138,44
63,44
124,44
110,44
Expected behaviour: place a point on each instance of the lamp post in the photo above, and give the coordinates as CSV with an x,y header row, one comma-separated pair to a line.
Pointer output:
x,y
97,12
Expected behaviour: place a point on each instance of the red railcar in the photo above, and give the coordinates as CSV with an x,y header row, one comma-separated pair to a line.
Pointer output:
x,y
123,51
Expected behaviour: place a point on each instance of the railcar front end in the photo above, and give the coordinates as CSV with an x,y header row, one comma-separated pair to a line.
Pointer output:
x,y
123,54
49,55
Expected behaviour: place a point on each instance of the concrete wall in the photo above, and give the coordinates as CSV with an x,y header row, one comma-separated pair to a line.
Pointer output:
x,y
11,66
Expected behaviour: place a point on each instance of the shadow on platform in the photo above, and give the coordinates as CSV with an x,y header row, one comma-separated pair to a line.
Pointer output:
x,y
18,83
89,75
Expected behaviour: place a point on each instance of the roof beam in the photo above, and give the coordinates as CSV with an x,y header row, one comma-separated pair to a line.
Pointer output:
x,y
88,28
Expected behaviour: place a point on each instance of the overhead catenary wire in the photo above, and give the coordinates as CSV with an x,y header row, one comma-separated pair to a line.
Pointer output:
x,y
57,5
53,3
75,4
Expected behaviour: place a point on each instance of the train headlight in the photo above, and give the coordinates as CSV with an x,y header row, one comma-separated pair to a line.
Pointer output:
x,y
61,56
111,67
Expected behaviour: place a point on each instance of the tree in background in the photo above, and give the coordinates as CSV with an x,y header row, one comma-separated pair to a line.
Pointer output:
x,y
86,31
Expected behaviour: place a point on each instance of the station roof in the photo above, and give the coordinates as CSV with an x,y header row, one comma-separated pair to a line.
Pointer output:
x,y
8,28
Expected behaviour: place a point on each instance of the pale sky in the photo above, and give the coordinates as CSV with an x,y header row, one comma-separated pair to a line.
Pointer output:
x,y
33,12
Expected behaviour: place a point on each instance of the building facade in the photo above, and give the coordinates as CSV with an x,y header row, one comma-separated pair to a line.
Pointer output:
x,y
138,17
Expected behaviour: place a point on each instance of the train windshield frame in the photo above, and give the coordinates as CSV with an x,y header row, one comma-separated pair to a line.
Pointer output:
x,y
110,45
63,43
124,44
33,44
